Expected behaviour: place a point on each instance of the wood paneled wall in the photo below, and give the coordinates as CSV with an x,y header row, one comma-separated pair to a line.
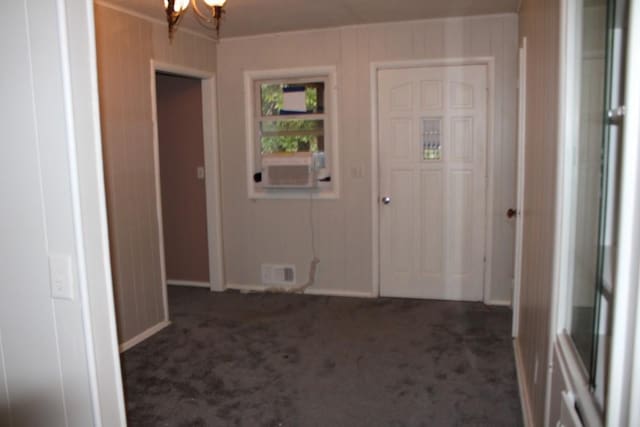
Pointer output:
x,y
539,22
268,231
126,45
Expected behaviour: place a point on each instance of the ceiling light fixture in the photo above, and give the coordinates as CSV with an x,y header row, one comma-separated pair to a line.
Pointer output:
x,y
176,9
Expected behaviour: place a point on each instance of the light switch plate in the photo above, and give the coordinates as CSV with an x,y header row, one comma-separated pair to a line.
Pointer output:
x,y
200,172
61,276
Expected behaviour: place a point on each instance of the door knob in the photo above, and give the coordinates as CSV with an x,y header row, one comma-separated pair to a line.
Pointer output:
x,y
511,213
386,200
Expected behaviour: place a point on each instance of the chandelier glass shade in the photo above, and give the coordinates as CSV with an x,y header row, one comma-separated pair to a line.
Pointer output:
x,y
209,16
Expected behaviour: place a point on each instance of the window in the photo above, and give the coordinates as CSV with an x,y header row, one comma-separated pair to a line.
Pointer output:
x,y
292,111
291,116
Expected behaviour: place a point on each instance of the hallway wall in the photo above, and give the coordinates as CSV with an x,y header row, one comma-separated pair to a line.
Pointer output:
x,y
539,22
126,44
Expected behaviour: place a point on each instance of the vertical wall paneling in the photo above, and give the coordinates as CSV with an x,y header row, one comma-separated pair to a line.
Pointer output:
x,y
539,23
126,45
343,227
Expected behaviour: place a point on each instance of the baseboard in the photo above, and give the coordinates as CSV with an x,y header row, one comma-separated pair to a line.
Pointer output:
x,y
525,401
143,336
191,283
339,293
309,291
244,287
497,302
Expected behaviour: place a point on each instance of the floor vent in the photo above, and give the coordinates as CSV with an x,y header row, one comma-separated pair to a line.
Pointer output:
x,y
278,274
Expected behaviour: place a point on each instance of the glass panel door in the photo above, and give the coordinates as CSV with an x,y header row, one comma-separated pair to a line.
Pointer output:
x,y
594,204
589,192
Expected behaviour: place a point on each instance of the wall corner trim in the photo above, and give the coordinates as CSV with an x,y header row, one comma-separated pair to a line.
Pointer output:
x,y
525,400
191,283
499,302
143,336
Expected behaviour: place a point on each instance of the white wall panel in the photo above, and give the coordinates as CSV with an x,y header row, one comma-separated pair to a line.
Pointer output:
x,y
46,369
343,227
126,45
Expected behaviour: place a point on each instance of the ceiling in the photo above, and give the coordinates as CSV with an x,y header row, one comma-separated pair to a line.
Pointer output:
x,y
249,17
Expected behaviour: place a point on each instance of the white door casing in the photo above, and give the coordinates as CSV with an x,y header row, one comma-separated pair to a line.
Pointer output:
x,y
517,269
432,233
211,166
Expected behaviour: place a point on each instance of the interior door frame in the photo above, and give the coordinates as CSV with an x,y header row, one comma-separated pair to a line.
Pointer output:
x,y
212,172
522,129
489,62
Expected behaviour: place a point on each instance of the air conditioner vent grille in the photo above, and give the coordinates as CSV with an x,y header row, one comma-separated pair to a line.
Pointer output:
x,y
288,176
288,170
278,274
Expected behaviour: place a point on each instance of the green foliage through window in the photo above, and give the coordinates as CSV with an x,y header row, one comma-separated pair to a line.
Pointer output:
x,y
279,131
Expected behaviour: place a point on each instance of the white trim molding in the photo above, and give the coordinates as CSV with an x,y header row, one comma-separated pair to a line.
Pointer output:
x,y
308,291
521,176
329,73
77,28
498,303
213,183
525,400
189,283
624,368
143,336
489,62
576,379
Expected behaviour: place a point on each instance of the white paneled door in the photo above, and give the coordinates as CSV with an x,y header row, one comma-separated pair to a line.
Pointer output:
x,y
433,137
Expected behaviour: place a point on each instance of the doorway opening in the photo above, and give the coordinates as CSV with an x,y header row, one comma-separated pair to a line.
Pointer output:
x,y
186,178
182,180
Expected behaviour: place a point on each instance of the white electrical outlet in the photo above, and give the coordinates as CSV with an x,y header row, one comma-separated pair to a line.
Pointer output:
x,y
61,276
357,170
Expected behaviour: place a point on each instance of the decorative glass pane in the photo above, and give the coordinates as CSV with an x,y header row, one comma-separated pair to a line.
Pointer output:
x,y
277,99
431,139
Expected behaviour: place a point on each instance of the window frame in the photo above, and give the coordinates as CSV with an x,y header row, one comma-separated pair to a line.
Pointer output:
x,y
253,118
575,374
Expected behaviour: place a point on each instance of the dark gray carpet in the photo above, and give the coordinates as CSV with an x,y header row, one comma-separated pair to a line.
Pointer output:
x,y
297,360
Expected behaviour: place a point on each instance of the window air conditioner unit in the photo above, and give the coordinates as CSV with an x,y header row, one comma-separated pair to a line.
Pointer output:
x,y
288,170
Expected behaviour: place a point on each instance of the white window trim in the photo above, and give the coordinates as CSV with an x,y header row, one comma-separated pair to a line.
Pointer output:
x,y
624,366
331,91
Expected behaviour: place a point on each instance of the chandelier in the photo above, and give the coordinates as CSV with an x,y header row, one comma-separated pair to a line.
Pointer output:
x,y
176,9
